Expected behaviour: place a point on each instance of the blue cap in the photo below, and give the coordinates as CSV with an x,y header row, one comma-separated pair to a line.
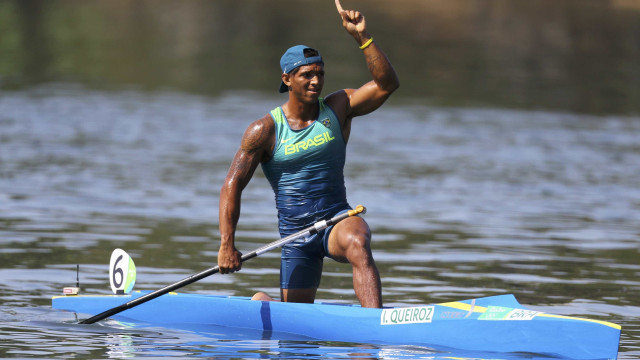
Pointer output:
x,y
293,58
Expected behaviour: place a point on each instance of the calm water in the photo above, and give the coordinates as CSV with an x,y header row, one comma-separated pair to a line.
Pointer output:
x,y
463,203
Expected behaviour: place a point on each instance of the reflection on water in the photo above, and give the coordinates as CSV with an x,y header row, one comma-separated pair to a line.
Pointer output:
x,y
463,203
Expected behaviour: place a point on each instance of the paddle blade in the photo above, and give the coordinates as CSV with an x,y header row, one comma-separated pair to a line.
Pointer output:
x,y
122,272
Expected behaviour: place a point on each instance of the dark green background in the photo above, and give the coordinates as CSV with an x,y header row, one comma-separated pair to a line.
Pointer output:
x,y
578,56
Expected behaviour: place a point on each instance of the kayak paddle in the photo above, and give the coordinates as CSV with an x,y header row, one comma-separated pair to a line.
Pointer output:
x,y
320,225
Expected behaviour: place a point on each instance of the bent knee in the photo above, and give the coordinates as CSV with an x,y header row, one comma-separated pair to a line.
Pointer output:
x,y
358,241
358,247
350,238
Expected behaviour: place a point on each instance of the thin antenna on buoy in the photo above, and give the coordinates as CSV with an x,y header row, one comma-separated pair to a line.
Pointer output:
x,y
74,290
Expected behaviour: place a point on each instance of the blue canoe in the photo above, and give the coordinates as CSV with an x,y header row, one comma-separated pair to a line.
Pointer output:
x,y
489,324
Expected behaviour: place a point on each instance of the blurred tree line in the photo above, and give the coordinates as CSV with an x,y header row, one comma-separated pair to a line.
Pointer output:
x,y
569,55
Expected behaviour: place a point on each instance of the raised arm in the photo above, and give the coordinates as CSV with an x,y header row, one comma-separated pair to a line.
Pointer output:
x,y
256,144
370,96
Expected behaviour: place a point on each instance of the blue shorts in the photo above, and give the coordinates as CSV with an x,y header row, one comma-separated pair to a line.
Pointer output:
x,y
301,261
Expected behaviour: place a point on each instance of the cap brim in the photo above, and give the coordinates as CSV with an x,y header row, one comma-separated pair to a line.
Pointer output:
x,y
283,88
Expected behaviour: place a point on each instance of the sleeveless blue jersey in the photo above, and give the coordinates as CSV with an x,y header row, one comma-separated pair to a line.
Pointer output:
x,y
306,170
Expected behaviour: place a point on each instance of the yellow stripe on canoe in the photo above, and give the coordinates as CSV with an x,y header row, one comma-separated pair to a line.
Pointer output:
x,y
610,324
465,307
481,309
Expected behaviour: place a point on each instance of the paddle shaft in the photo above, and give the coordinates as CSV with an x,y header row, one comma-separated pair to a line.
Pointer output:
x,y
320,225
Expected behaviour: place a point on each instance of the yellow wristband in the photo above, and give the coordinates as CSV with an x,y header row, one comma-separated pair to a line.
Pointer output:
x,y
364,46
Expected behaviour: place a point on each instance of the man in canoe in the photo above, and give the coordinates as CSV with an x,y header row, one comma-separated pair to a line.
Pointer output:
x,y
301,147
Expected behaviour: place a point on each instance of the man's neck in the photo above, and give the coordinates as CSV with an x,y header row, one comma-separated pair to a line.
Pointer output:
x,y
300,113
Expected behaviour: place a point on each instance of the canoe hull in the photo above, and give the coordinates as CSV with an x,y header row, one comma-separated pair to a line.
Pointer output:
x,y
491,324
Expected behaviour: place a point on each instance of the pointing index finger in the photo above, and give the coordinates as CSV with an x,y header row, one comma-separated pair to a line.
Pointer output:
x,y
339,7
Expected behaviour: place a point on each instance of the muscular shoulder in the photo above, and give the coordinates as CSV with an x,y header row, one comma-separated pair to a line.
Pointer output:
x,y
259,138
339,102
